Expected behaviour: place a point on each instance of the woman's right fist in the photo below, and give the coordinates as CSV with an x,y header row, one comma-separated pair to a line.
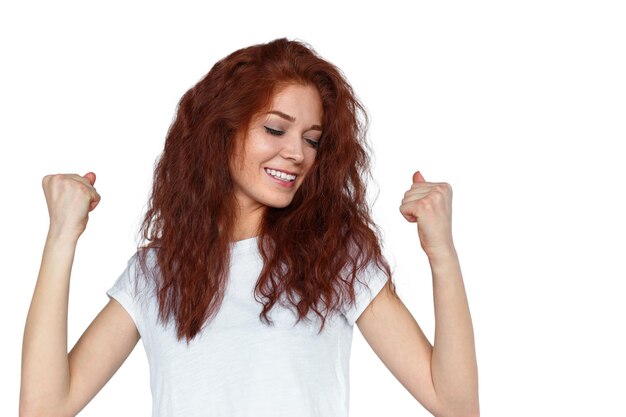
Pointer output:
x,y
70,198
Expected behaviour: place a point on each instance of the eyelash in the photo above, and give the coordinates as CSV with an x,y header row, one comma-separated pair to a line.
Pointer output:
x,y
275,132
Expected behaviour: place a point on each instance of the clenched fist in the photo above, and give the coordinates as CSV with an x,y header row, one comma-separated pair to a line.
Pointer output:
x,y
429,204
70,198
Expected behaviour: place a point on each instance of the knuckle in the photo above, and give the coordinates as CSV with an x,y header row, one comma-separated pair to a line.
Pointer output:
x,y
54,179
84,189
443,188
438,194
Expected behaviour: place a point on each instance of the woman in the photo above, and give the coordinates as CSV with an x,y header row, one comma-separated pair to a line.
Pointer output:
x,y
261,255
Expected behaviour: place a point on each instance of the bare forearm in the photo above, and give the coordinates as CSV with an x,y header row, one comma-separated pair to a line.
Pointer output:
x,y
454,368
45,369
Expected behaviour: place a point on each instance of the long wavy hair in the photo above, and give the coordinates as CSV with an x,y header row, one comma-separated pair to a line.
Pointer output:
x,y
314,249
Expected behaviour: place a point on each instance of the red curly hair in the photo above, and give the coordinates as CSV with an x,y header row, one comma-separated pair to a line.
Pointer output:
x,y
314,249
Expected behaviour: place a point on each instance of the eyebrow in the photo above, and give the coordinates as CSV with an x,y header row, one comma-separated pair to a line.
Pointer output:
x,y
293,119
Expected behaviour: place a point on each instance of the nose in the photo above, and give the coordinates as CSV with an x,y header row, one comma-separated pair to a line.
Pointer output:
x,y
292,149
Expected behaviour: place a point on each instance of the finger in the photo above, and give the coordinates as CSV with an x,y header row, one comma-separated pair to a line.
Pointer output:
x,y
91,177
410,219
85,180
413,198
418,177
408,216
423,185
95,200
88,180
420,193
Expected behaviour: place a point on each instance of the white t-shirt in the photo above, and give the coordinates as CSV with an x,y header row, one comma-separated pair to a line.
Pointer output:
x,y
238,366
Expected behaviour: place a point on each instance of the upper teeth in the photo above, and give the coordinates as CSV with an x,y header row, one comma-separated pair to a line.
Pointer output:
x,y
280,174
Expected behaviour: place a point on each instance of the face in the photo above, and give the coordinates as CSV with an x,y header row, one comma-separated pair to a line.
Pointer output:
x,y
280,148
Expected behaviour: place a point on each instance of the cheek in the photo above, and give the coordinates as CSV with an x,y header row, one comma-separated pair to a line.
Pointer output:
x,y
260,150
310,157
266,149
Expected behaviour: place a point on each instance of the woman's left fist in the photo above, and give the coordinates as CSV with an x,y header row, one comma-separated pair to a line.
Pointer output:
x,y
430,205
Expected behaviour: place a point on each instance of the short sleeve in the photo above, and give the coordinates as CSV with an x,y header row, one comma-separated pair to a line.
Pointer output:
x,y
375,278
124,290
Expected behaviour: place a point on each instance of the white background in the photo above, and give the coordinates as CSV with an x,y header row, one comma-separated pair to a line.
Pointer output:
x,y
520,106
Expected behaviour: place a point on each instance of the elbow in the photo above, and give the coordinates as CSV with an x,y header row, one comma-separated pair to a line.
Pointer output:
x,y
471,413
28,411
28,408
465,412
37,413
33,403
463,404
33,410
460,409
475,413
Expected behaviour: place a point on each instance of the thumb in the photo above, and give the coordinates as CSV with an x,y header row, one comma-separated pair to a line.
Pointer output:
x,y
91,177
417,177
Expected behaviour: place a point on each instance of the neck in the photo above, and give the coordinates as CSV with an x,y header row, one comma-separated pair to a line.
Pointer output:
x,y
247,226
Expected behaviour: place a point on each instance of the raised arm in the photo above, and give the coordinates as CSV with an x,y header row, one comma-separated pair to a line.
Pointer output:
x,y
443,376
54,382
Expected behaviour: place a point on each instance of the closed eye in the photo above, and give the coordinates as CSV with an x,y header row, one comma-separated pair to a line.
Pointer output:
x,y
313,143
273,131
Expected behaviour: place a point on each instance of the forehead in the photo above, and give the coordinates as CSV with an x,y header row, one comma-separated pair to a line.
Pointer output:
x,y
303,98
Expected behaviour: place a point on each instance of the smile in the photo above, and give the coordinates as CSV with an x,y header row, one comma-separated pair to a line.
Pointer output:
x,y
280,175
280,178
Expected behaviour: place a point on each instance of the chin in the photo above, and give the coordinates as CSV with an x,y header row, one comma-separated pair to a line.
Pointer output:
x,y
278,202
280,205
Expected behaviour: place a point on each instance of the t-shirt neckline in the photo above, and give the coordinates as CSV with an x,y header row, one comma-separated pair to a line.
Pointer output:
x,y
244,245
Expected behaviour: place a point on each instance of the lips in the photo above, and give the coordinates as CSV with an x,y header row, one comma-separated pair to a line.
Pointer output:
x,y
282,170
281,182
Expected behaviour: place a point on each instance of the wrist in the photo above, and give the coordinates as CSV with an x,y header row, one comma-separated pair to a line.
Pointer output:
x,y
442,254
62,236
